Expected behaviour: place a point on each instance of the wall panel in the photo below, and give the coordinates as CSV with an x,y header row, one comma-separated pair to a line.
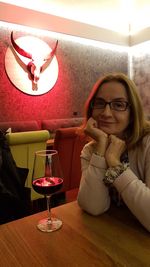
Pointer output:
x,y
80,66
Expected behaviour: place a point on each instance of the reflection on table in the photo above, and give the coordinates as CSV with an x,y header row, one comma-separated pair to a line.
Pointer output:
x,y
115,238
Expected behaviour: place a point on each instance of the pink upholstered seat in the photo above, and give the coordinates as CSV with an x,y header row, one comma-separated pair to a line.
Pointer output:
x,y
69,145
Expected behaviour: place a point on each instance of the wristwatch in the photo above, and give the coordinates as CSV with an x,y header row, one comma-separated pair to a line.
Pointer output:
x,y
114,172
98,154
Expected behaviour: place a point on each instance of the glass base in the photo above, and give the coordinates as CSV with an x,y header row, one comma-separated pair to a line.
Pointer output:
x,y
49,226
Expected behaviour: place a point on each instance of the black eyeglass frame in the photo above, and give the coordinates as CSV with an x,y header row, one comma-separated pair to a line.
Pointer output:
x,y
110,105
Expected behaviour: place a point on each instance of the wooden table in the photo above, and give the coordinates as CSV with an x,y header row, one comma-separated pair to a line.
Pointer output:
x,y
112,239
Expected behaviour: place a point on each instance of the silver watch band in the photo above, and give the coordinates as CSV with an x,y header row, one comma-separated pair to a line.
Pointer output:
x,y
114,172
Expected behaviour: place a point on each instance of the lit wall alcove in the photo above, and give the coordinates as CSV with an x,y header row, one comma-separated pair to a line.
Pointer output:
x,y
80,65
140,71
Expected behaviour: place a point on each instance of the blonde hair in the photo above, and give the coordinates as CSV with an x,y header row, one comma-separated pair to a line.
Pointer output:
x,y
138,125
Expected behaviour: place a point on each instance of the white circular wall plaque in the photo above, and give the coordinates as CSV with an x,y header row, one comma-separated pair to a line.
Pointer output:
x,y
16,66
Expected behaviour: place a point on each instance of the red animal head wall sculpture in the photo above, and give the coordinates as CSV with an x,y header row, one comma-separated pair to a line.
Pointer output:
x,y
37,63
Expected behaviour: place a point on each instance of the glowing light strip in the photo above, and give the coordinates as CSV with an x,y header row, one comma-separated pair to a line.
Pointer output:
x,y
66,37
142,48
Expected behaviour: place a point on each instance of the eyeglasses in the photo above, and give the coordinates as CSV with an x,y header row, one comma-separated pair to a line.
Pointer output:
x,y
114,105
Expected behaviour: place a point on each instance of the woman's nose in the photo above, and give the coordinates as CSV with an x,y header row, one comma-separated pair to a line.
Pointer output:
x,y
107,110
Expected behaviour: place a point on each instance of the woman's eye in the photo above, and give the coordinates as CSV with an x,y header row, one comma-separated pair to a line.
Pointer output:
x,y
101,104
119,105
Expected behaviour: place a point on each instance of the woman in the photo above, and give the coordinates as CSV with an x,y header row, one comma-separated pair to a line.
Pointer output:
x,y
116,163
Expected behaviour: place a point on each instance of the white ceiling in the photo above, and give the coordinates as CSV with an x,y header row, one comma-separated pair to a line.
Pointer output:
x,y
101,12
110,21
111,14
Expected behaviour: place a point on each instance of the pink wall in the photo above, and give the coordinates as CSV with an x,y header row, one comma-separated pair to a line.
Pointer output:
x,y
79,67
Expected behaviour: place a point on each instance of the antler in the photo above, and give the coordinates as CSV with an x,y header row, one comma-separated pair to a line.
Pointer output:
x,y
21,51
52,53
24,53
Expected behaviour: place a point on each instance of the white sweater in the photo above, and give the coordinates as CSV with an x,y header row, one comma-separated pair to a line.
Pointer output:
x,y
133,184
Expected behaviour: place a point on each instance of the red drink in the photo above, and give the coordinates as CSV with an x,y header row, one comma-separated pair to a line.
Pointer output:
x,y
47,185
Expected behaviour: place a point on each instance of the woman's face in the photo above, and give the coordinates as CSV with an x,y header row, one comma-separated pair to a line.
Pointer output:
x,y
109,120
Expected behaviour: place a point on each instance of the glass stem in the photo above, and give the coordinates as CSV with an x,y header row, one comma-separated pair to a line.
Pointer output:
x,y
48,208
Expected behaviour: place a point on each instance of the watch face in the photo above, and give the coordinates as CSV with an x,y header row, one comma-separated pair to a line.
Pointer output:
x,y
114,172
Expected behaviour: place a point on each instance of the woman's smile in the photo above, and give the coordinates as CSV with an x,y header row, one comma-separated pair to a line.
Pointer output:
x,y
105,122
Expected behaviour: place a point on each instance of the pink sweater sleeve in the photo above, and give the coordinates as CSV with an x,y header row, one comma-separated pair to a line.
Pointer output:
x,y
93,195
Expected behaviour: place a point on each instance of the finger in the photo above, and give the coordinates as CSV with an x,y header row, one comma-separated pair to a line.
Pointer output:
x,y
93,121
112,138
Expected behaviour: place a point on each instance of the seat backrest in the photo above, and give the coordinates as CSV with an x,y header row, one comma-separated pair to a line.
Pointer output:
x,y
23,146
79,143
69,145
19,126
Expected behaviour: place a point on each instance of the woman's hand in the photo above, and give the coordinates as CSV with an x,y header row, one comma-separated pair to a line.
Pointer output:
x,y
92,130
114,151
98,135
